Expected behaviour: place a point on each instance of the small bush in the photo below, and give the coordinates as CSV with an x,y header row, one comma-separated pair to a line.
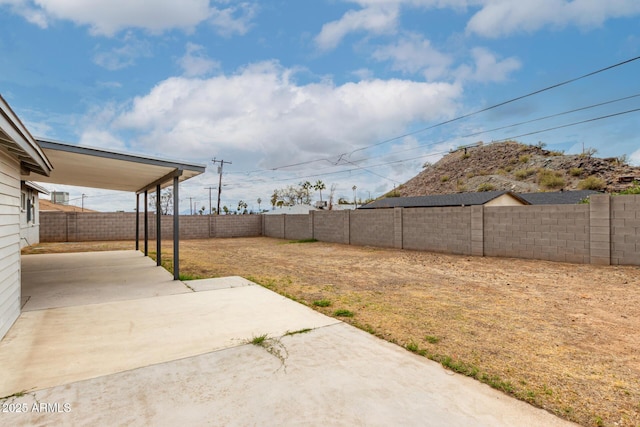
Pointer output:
x,y
444,178
393,193
592,183
575,171
486,186
322,303
524,158
550,179
521,174
343,313
632,190
432,339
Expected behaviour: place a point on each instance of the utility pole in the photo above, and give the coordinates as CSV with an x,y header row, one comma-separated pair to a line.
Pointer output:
x,y
210,188
191,205
83,196
222,162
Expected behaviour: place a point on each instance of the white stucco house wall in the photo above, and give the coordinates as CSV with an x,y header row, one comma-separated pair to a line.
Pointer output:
x,y
20,156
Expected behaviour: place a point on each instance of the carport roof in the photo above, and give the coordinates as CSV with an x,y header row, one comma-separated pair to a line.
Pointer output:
x,y
98,168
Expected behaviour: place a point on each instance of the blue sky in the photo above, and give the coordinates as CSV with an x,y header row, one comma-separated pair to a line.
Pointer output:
x,y
268,84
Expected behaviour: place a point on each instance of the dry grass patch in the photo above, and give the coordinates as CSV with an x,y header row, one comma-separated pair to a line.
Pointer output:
x,y
560,336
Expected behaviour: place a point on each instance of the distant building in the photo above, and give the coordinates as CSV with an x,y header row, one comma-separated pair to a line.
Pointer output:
x,y
60,197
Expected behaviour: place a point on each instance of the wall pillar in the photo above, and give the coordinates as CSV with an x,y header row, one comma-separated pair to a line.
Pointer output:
x,y
346,228
397,228
477,230
600,229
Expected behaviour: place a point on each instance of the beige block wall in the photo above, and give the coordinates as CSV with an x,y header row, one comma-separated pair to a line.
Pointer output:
x,y
82,227
625,230
372,227
331,226
552,232
297,227
437,229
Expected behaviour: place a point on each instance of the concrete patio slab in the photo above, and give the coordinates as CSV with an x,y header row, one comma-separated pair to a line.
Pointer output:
x,y
57,346
336,375
218,283
63,280
164,355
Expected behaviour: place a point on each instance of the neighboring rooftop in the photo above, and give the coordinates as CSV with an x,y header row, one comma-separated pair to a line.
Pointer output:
x,y
49,206
481,198
558,197
442,200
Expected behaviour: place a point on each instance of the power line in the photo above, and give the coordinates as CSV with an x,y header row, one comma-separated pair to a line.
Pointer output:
x,y
464,116
444,152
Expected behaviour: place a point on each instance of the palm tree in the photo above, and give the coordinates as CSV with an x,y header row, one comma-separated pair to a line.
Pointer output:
x,y
319,186
259,201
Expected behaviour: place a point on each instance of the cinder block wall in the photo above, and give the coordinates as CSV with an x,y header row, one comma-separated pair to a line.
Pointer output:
x,y
234,226
625,230
554,233
296,227
273,226
372,227
331,226
437,229
82,227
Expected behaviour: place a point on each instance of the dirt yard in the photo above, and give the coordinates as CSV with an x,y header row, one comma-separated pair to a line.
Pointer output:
x,y
563,337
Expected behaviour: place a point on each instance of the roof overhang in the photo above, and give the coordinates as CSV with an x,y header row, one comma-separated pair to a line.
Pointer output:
x,y
17,140
36,187
98,168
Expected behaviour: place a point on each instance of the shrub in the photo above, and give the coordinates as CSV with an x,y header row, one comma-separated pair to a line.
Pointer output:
x,y
444,178
575,171
486,186
591,183
322,303
524,158
521,174
550,179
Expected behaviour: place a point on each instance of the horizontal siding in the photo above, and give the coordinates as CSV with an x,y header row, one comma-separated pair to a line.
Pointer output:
x,y
9,241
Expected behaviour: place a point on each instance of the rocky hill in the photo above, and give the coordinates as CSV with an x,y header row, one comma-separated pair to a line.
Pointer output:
x,y
520,168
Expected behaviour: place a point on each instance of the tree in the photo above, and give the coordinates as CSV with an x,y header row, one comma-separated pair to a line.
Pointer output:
x,y
274,198
242,206
225,209
319,186
259,201
305,198
166,201
332,192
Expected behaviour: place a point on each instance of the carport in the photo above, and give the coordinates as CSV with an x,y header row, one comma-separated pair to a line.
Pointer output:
x,y
99,168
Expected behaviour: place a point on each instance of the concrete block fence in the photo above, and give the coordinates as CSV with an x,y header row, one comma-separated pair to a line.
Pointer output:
x,y
606,231
82,227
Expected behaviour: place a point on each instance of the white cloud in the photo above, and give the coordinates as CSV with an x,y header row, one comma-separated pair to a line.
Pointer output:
x,y
234,19
195,63
101,138
379,19
108,17
500,18
487,67
414,54
262,112
124,56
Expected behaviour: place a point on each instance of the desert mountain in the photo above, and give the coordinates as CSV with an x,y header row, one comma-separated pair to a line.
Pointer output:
x,y
520,168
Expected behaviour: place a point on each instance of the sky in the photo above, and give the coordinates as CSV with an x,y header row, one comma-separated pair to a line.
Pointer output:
x,y
356,93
